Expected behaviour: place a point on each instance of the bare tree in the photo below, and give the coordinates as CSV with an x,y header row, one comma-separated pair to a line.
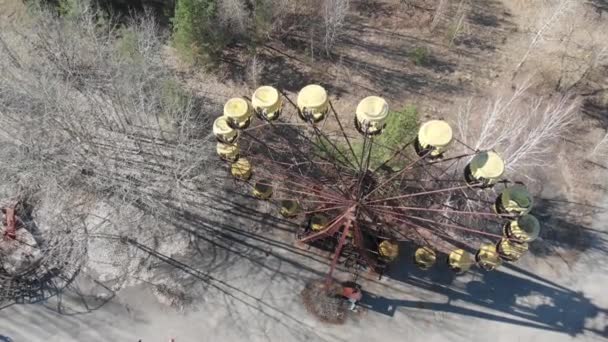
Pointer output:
x,y
601,148
522,128
92,115
334,15
254,71
439,13
233,14
552,13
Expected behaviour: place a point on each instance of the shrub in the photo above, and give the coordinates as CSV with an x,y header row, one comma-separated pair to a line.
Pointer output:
x,y
127,45
69,8
263,15
401,127
196,34
420,56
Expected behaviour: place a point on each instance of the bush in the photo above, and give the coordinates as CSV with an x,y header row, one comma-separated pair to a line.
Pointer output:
x,y
401,128
420,56
196,35
68,8
127,45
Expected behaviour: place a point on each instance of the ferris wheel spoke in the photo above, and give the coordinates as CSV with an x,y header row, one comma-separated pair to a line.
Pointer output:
x,y
449,167
360,243
350,146
290,165
394,155
288,142
454,226
466,146
332,228
453,220
322,210
280,123
434,180
413,227
315,129
268,148
301,153
443,160
321,135
303,200
324,137
474,213
287,168
477,196
307,188
364,164
309,185
307,191
424,193
400,173
317,151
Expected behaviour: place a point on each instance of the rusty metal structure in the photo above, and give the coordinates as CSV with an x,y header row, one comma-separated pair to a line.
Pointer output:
x,y
35,265
449,202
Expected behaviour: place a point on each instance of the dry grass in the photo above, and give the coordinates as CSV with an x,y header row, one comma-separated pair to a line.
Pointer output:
x,y
325,303
12,10
565,44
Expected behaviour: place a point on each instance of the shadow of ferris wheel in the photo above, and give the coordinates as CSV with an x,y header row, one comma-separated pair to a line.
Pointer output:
x,y
503,295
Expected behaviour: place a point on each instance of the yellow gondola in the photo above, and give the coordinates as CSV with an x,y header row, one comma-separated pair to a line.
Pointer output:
x,y
425,258
238,112
371,115
318,222
460,261
487,257
313,103
525,229
514,200
510,250
433,138
241,169
289,208
228,152
263,189
266,102
223,132
388,250
485,169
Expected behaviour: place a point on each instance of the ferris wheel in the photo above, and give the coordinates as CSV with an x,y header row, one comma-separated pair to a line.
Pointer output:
x,y
322,170
35,263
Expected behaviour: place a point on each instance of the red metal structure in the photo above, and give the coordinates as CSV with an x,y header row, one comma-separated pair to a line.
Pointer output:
x,y
10,230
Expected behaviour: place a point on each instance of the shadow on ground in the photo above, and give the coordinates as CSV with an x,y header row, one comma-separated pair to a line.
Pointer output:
x,y
565,228
229,227
600,6
509,295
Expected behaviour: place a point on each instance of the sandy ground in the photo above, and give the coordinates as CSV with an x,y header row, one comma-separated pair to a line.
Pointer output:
x,y
251,294
248,290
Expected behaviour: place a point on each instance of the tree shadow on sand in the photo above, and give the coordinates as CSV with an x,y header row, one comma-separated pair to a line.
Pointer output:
x,y
509,295
225,221
599,5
